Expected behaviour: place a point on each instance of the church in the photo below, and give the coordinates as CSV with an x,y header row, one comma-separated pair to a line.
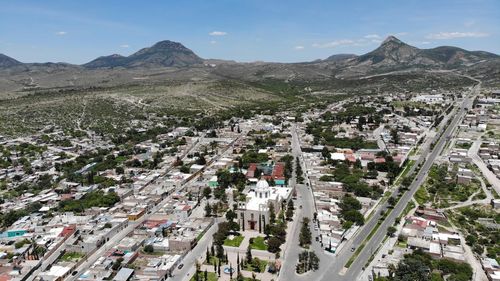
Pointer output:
x,y
253,214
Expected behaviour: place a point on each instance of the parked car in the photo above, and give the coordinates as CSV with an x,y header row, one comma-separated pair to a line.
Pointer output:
x,y
180,266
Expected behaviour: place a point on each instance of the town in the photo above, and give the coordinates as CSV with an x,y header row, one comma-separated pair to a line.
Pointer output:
x,y
355,189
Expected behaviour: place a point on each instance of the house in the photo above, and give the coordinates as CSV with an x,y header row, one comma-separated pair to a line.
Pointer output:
x,y
212,182
124,274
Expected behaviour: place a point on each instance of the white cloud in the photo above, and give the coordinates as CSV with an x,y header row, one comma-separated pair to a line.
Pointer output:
x,y
213,42
61,33
299,47
372,36
336,43
217,33
125,46
453,35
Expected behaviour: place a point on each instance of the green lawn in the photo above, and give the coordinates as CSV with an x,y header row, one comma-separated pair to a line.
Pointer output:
x,y
261,268
211,276
72,256
421,195
259,243
212,260
235,242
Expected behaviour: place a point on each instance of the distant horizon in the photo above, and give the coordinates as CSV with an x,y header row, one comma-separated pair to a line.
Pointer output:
x,y
249,31
238,61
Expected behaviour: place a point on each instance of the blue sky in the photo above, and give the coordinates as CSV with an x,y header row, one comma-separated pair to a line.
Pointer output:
x,y
272,30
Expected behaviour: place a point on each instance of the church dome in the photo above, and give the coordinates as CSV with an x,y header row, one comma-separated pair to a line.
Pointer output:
x,y
262,184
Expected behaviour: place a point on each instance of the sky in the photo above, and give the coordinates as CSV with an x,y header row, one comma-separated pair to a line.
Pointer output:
x,y
272,30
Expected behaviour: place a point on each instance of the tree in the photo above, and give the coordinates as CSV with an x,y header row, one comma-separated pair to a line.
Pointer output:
x,y
273,244
391,230
412,268
391,201
208,210
289,210
354,216
206,192
231,215
238,263
272,213
207,255
249,254
395,136
305,235
201,160
325,153
218,268
260,223
119,170
148,248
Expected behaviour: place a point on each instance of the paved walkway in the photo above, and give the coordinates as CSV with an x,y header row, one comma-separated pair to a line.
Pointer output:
x,y
233,252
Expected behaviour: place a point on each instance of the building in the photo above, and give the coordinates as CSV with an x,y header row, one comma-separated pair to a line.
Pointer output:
x,y
254,213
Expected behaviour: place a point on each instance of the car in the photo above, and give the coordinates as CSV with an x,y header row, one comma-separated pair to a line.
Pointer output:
x,y
74,273
353,249
180,266
300,207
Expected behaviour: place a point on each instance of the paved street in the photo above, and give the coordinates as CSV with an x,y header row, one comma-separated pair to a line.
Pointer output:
x,y
332,267
358,266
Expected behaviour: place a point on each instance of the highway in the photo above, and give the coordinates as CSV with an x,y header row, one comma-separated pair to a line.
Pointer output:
x,y
358,265
332,266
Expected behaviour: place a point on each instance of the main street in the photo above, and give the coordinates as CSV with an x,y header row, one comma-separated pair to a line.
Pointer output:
x,y
371,245
332,266
306,200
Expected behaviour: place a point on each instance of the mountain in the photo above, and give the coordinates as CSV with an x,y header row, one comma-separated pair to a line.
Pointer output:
x,y
7,62
392,51
148,65
340,57
395,52
454,56
162,54
106,61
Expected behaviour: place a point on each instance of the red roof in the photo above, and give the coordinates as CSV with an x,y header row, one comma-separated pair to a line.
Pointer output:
x,y
66,196
278,171
350,158
67,230
154,223
367,156
379,160
251,170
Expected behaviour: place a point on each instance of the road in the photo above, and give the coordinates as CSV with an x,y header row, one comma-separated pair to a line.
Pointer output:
x,y
306,200
196,254
358,265
132,225
334,269
489,175
48,260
